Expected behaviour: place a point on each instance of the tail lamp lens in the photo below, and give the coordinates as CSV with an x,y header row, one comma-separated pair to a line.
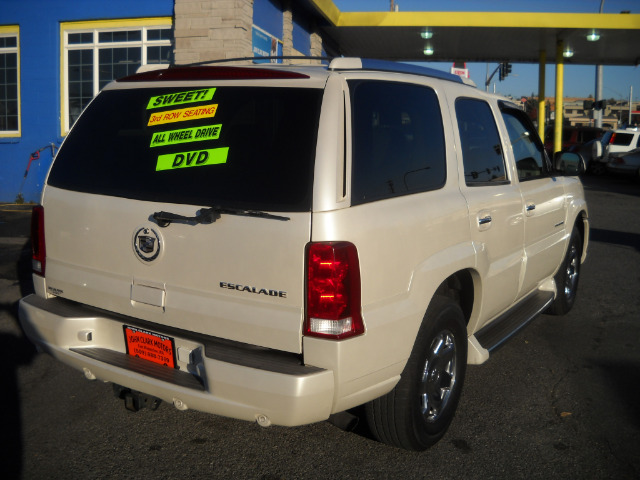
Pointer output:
x,y
333,291
38,259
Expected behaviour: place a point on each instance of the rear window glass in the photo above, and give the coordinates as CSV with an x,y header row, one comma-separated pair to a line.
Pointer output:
x,y
588,135
622,139
243,147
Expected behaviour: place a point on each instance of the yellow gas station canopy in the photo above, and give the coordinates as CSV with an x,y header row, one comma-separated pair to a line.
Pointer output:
x,y
483,36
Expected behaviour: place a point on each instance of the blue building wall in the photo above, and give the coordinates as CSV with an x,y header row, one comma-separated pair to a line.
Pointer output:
x,y
39,22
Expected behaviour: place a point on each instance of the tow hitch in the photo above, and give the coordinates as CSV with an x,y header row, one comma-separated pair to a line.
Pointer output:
x,y
134,400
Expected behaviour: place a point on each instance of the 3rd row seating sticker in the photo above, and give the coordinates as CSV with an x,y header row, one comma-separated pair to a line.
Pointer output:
x,y
183,114
185,135
195,158
192,96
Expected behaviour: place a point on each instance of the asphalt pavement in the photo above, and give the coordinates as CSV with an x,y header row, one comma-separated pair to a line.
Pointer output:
x,y
559,400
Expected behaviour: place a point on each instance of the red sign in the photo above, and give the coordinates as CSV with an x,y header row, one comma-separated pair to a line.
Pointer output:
x,y
150,346
463,72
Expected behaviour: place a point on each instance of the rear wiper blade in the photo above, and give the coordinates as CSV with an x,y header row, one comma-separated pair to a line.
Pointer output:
x,y
210,215
248,213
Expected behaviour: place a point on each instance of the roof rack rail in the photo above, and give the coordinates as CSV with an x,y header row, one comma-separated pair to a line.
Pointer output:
x,y
355,63
344,63
257,60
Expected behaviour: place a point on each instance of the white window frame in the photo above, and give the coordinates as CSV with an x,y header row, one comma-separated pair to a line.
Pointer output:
x,y
95,29
13,31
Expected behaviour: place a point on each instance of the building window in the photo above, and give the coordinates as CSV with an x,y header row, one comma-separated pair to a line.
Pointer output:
x,y
95,53
9,82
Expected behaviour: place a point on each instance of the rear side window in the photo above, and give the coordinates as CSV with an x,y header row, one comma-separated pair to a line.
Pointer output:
x,y
398,140
481,148
243,147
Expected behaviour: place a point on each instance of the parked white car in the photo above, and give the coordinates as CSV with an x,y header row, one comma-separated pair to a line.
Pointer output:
x,y
626,163
280,244
613,142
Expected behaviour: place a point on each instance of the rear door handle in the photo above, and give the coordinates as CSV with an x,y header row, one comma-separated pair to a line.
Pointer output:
x,y
484,220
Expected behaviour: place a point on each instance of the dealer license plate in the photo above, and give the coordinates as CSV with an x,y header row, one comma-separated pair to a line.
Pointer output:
x,y
150,346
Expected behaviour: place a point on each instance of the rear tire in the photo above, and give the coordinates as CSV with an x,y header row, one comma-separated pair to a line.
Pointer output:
x,y
568,277
418,411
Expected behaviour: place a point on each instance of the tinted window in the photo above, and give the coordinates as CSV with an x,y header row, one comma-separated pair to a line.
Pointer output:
x,y
243,147
527,149
398,140
588,135
481,147
622,139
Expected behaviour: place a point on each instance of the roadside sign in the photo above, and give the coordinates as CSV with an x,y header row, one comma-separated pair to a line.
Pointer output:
x,y
460,68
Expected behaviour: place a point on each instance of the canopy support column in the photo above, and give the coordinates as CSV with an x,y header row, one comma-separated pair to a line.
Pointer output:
x,y
557,136
541,93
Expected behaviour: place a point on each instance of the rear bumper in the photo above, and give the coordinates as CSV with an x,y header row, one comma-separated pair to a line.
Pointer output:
x,y
214,376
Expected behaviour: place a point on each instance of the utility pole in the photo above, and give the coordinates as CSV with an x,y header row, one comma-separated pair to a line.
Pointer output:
x,y
630,105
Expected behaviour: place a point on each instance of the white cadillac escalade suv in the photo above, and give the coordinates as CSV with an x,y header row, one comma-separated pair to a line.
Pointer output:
x,y
283,243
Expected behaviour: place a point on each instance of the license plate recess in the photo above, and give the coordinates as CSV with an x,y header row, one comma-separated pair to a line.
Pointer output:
x,y
150,346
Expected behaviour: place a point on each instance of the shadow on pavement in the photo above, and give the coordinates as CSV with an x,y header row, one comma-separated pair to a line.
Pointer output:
x,y
15,351
624,239
612,184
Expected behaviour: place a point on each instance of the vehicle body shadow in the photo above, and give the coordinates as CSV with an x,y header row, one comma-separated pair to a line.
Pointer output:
x,y
624,239
15,351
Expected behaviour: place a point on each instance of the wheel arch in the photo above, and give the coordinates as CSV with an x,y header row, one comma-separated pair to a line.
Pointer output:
x,y
582,225
461,287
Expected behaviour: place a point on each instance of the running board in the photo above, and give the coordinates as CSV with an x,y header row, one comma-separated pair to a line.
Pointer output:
x,y
508,324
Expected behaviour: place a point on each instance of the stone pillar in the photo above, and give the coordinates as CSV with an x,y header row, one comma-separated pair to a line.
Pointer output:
x,y
287,30
316,43
212,30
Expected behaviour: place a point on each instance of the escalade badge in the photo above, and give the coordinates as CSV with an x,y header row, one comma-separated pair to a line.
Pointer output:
x,y
147,244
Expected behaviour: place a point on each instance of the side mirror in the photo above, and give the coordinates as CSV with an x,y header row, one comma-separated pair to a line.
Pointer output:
x,y
569,163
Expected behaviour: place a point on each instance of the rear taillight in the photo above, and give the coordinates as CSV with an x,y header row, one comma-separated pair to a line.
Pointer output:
x,y
612,139
333,291
38,249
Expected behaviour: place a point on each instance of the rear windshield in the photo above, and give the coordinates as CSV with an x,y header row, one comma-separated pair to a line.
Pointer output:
x,y
242,147
622,139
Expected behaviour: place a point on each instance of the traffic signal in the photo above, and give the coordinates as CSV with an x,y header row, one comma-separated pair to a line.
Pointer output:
x,y
591,105
505,70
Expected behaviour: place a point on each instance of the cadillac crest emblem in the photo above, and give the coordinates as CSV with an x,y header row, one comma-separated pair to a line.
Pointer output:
x,y
146,244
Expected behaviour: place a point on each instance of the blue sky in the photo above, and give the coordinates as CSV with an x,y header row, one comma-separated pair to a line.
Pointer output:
x,y
579,80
